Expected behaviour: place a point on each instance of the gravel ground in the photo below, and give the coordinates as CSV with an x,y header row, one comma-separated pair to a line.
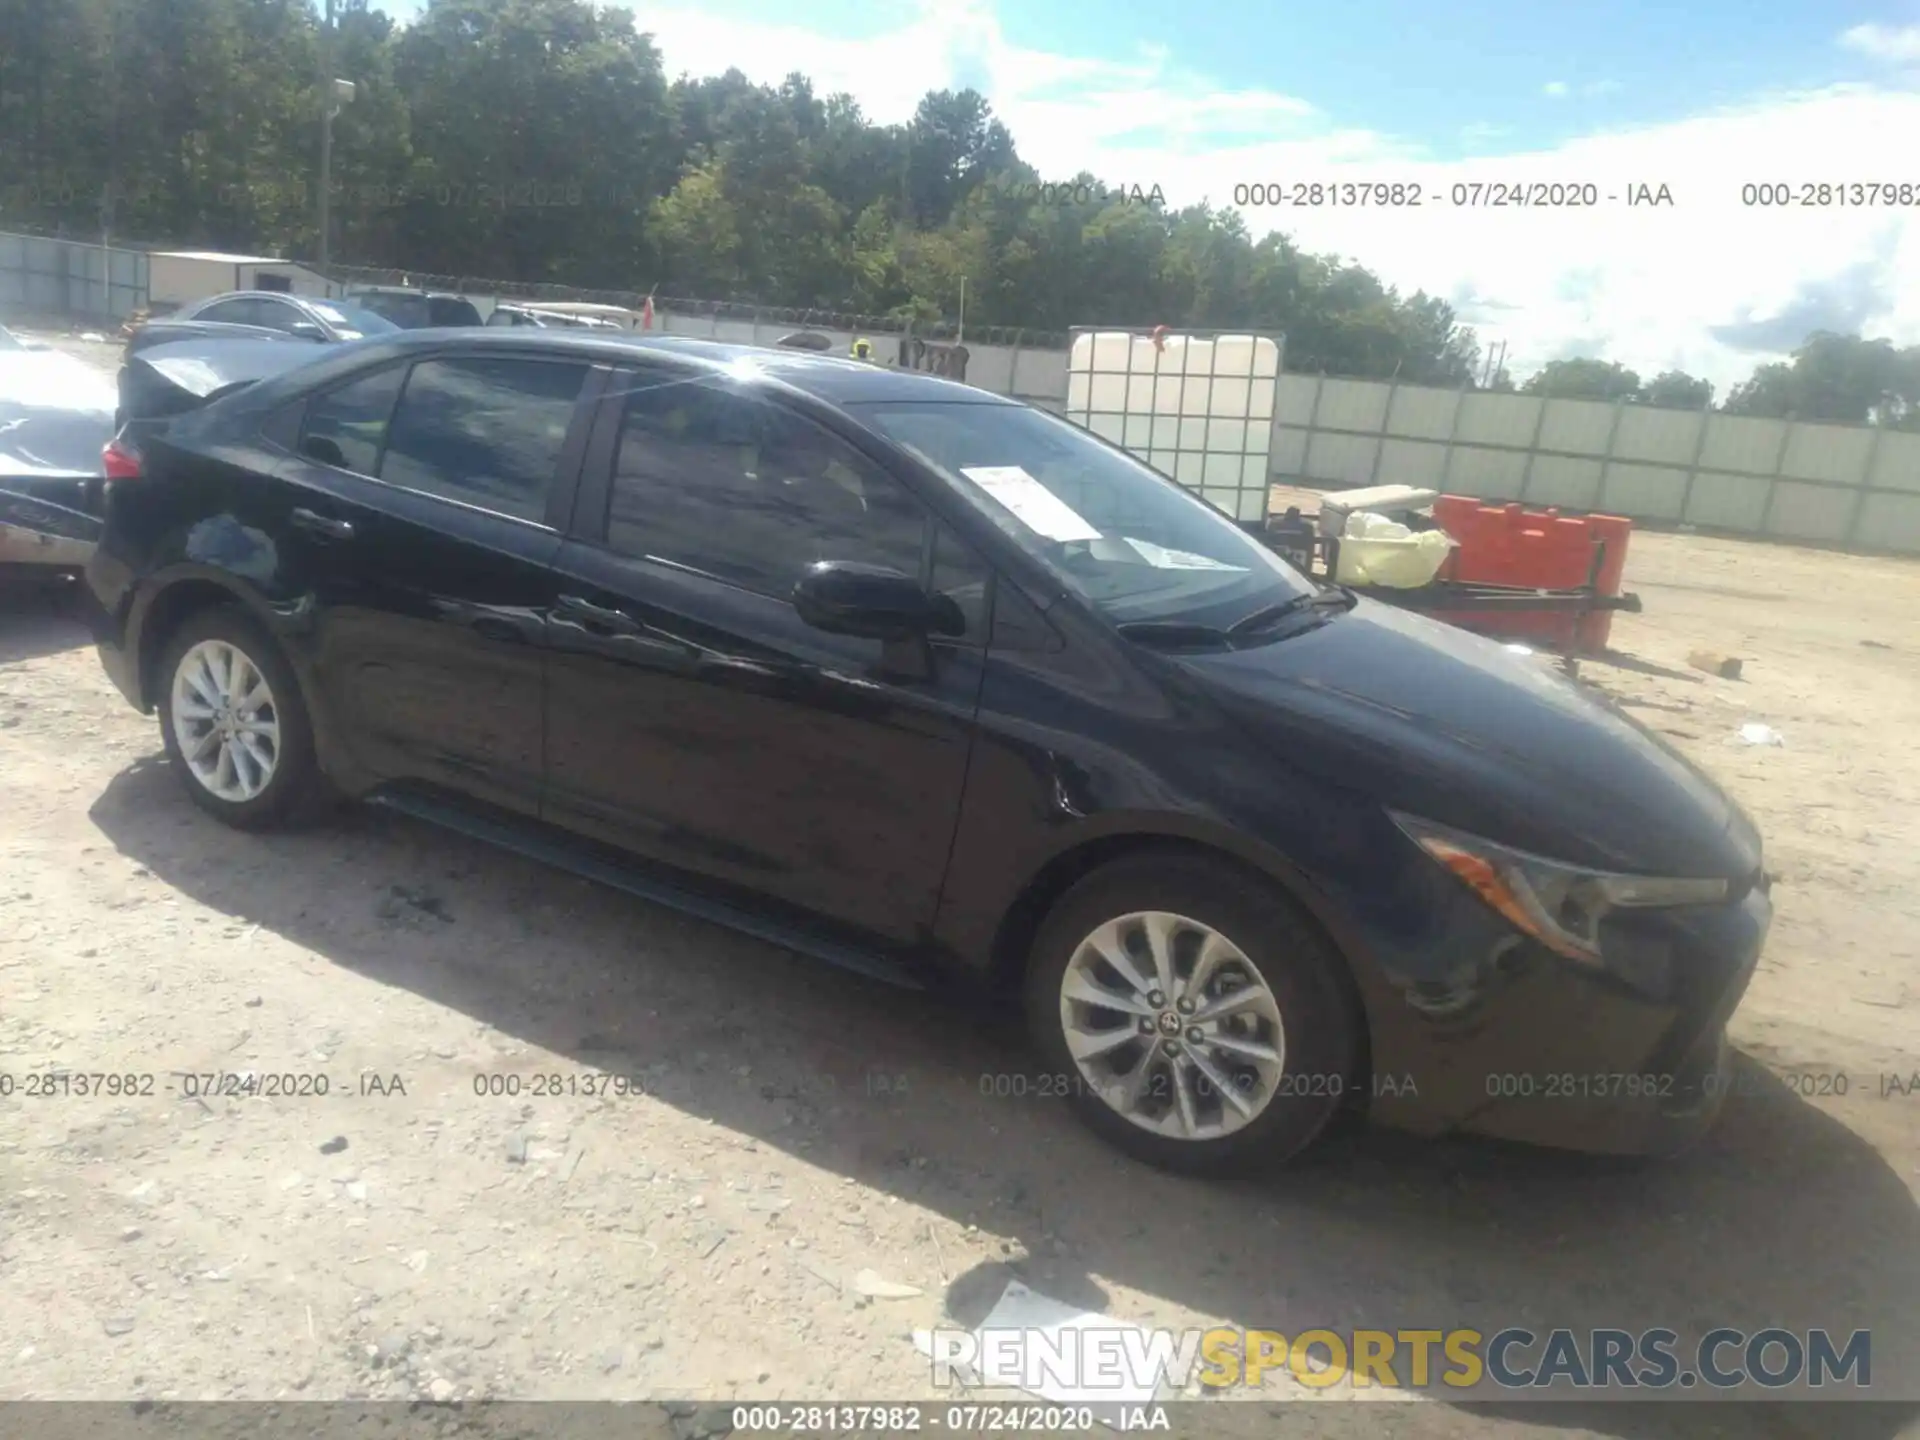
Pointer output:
x,y
784,1134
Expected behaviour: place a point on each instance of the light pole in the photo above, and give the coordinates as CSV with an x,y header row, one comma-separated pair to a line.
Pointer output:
x,y
337,93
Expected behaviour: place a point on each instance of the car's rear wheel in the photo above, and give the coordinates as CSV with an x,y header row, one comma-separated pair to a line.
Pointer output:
x,y
1196,1017
233,723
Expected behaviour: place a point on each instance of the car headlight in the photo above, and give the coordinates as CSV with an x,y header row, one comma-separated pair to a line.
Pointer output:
x,y
1559,905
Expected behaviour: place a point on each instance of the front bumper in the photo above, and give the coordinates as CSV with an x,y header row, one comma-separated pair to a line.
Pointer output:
x,y
1476,1028
1648,1071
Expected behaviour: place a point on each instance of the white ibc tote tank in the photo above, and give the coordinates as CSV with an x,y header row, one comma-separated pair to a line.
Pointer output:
x,y
1197,408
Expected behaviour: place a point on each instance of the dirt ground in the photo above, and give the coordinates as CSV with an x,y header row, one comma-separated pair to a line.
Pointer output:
x,y
789,1127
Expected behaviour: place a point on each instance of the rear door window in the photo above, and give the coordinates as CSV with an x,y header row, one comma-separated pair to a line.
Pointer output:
x,y
486,432
233,312
276,315
345,427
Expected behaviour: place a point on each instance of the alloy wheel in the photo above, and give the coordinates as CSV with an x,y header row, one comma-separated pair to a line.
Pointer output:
x,y
1172,1025
225,721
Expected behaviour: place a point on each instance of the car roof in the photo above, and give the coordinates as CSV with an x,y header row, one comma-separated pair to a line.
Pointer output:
x,y
826,377
402,290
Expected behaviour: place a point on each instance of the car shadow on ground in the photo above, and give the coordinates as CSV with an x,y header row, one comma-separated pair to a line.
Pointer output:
x,y
37,617
1785,1216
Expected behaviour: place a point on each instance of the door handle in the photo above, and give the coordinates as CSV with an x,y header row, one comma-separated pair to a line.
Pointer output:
x,y
324,525
618,621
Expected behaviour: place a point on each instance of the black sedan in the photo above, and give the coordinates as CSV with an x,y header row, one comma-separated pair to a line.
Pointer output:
x,y
915,678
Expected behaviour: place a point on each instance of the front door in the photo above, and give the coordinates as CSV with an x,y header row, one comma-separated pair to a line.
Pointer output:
x,y
426,498
693,717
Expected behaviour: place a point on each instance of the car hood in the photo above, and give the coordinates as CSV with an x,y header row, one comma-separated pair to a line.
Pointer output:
x,y
56,413
1454,727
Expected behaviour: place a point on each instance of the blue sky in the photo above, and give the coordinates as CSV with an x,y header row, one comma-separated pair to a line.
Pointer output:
x,y
1201,96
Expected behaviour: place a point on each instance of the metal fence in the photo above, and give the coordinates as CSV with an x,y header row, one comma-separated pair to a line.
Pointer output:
x,y
45,275
770,316
1854,485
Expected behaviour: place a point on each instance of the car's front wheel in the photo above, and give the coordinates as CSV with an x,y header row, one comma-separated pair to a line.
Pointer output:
x,y
1196,1017
233,723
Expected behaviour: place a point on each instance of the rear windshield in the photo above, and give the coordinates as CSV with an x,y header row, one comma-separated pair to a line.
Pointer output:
x,y
401,309
445,310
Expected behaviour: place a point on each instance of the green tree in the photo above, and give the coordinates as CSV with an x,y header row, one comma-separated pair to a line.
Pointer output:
x,y
1677,390
1583,379
1841,378
953,144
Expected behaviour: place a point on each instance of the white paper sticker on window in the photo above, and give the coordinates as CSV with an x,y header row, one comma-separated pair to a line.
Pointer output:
x,y
1032,504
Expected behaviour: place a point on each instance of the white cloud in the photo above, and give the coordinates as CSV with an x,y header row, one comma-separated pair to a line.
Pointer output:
x,y
1898,43
1646,286
1560,89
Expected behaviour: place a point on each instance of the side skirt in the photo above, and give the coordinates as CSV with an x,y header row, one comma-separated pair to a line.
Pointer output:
x,y
555,851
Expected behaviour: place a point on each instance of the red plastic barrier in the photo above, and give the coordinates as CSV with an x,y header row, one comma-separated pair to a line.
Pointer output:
x,y
1538,550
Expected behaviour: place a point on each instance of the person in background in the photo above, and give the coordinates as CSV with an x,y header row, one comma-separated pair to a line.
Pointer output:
x,y
862,348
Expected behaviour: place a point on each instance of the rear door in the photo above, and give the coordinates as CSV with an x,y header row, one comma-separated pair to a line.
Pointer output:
x,y
693,717
427,502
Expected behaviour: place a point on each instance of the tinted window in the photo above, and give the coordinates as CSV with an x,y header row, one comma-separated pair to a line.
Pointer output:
x,y
442,310
346,426
488,432
751,493
403,310
963,576
232,312
273,314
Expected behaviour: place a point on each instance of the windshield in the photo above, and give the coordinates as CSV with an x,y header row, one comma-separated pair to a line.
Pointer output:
x,y
352,321
1137,545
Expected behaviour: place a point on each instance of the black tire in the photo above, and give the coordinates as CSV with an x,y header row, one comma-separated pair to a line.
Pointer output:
x,y
1319,1009
295,790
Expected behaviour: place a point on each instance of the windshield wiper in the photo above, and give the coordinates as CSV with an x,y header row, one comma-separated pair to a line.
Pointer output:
x,y
1189,635
1334,597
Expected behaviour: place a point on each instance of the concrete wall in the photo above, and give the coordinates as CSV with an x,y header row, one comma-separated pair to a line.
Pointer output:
x,y
1837,484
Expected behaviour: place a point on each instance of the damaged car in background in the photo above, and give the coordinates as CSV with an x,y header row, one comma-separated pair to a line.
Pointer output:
x,y
56,412
65,429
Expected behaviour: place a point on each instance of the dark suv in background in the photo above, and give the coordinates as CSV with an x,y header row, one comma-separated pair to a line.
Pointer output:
x,y
412,309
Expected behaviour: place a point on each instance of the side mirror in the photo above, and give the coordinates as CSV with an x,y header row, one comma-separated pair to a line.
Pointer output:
x,y
307,330
873,602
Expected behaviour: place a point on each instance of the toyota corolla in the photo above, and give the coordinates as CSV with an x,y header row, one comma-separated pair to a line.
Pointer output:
x,y
922,681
